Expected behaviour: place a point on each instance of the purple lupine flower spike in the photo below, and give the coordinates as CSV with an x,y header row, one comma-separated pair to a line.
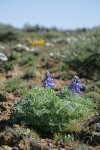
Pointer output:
x,y
76,85
47,81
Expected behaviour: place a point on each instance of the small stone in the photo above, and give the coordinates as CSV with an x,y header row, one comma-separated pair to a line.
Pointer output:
x,y
98,127
2,47
49,44
21,47
51,54
4,96
6,148
3,57
33,144
21,146
3,107
35,51
15,148
47,148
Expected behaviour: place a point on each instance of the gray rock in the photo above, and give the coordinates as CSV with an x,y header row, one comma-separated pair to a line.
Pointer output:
x,y
51,54
4,96
2,47
32,144
49,44
5,147
71,39
3,57
35,51
21,47
98,127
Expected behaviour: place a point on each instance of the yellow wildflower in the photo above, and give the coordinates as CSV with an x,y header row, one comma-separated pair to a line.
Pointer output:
x,y
36,42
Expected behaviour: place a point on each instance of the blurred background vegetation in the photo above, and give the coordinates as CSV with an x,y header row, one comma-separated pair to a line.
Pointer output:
x,y
78,49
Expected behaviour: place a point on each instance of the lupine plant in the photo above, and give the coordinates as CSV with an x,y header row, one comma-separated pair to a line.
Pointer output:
x,y
76,85
47,81
46,110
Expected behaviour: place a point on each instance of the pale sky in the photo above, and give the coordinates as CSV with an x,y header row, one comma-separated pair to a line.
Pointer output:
x,y
63,14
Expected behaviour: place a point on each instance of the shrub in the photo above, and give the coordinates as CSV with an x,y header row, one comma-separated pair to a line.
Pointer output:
x,y
12,84
95,97
29,59
47,110
14,56
7,66
92,95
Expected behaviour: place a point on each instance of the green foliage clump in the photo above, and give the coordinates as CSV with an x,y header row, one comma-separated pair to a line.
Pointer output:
x,y
47,110
98,84
12,84
29,59
94,96
24,91
62,67
14,56
7,66
16,84
58,136
22,132
7,33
